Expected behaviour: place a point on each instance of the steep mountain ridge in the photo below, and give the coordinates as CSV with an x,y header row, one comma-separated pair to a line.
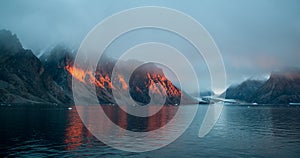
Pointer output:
x,y
244,91
142,82
282,87
26,79
22,76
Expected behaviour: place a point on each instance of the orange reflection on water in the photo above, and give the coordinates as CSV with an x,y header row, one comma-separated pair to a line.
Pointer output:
x,y
122,121
74,131
161,118
77,134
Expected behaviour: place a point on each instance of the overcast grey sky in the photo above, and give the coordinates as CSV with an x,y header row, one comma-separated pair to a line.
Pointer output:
x,y
254,37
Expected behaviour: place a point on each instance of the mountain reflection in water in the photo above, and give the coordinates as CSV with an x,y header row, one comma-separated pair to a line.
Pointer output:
x,y
76,131
241,131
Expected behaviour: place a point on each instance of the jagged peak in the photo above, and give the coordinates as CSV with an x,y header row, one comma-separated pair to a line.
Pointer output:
x,y
9,41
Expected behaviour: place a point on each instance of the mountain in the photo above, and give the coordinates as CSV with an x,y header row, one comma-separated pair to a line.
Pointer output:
x,y
141,85
244,91
26,79
281,88
23,78
148,78
54,62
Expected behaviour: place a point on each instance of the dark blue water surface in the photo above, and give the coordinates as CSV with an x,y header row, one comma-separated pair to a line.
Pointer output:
x,y
241,131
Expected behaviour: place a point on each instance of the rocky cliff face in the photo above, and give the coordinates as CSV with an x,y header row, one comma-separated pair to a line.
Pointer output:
x,y
244,91
147,79
54,63
282,87
26,79
151,79
142,82
22,76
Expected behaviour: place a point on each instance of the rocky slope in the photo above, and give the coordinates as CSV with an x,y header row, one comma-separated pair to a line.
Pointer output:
x,y
281,88
148,78
244,91
54,62
22,76
26,79
141,85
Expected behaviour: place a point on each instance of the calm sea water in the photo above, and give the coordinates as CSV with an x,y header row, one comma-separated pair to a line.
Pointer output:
x,y
241,131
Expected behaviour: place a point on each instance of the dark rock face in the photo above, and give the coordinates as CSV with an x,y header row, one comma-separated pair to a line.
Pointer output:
x,y
55,62
26,79
146,78
244,91
281,88
9,44
22,76
142,83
